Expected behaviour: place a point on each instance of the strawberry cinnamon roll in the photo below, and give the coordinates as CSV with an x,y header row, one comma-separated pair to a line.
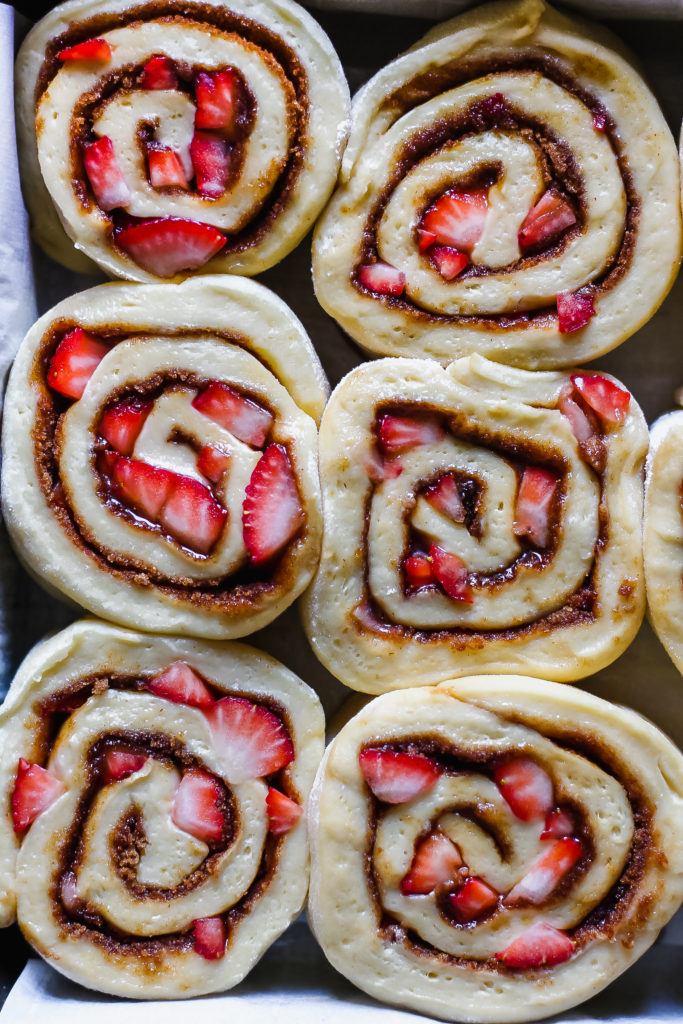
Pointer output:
x,y
510,187
494,849
165,140
160,455
152,843
476,516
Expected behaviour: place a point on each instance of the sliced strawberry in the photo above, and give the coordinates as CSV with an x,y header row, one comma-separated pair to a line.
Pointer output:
x,y
580,422
526,787
558,824
401,433
419,572
106,463
283,813
534,499
609,401
120,763
212,463
141,486
473,900
246,420
181,685
546,220
546,873
96,50
192,515
34,791
451,572
272,512
75,360
209,937
168,245
210,155
195,806
251,739
436,862
105,174
395,777
457,219
444,495
425,239
574,311
165,167
68,892
449,262
382,279
599,121
217,98
378,468
159,73
122,423
539,946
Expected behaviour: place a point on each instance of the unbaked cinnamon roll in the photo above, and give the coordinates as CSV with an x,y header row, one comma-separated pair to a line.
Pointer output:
x,y
476,516
152,842
494,849
165,139
510,187
160,455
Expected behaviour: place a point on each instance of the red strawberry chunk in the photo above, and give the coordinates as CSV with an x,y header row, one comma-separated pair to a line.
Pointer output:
x,y
181,685
195,806
457,219
395,777
418,570
106,463
168,245
435,863
382,279
526,787
451,572
558,824
122,423
379,468
75,360
118,764
91,50
609,401
401,433
425,239
546,220
534,499
252,740
574,311
209,937
34,791
68,892
217,98
192,515
283,813
539,946
246,420
141,486
546,873
583,427
165,167
599,121
272,512
105,174
159,73
212,463
449,262
210,155
473,900
444,495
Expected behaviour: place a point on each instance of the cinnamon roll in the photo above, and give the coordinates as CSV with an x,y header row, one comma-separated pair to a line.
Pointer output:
x,y
510,187
165,139
476,516
160,455
494,849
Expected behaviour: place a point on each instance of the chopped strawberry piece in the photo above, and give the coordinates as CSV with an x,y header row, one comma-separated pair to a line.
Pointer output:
x,y
68,892
159,73
457,219
574,311
474,899
195,806
546,873
192,515
418,570
436,862
283,813
182,685
382,279
425,239
444,495
91,50
34,791
401,433
395,777
165,167
122,423
252,740
75,360
609,401
534,499
212,463
118,764
106,463
209,937
558,824
142,486
217,98
168,245
546,220
580,422
105,174
449,262
246,420
526,787
539,946
379,468
272,512
210,155
599,121
451,572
